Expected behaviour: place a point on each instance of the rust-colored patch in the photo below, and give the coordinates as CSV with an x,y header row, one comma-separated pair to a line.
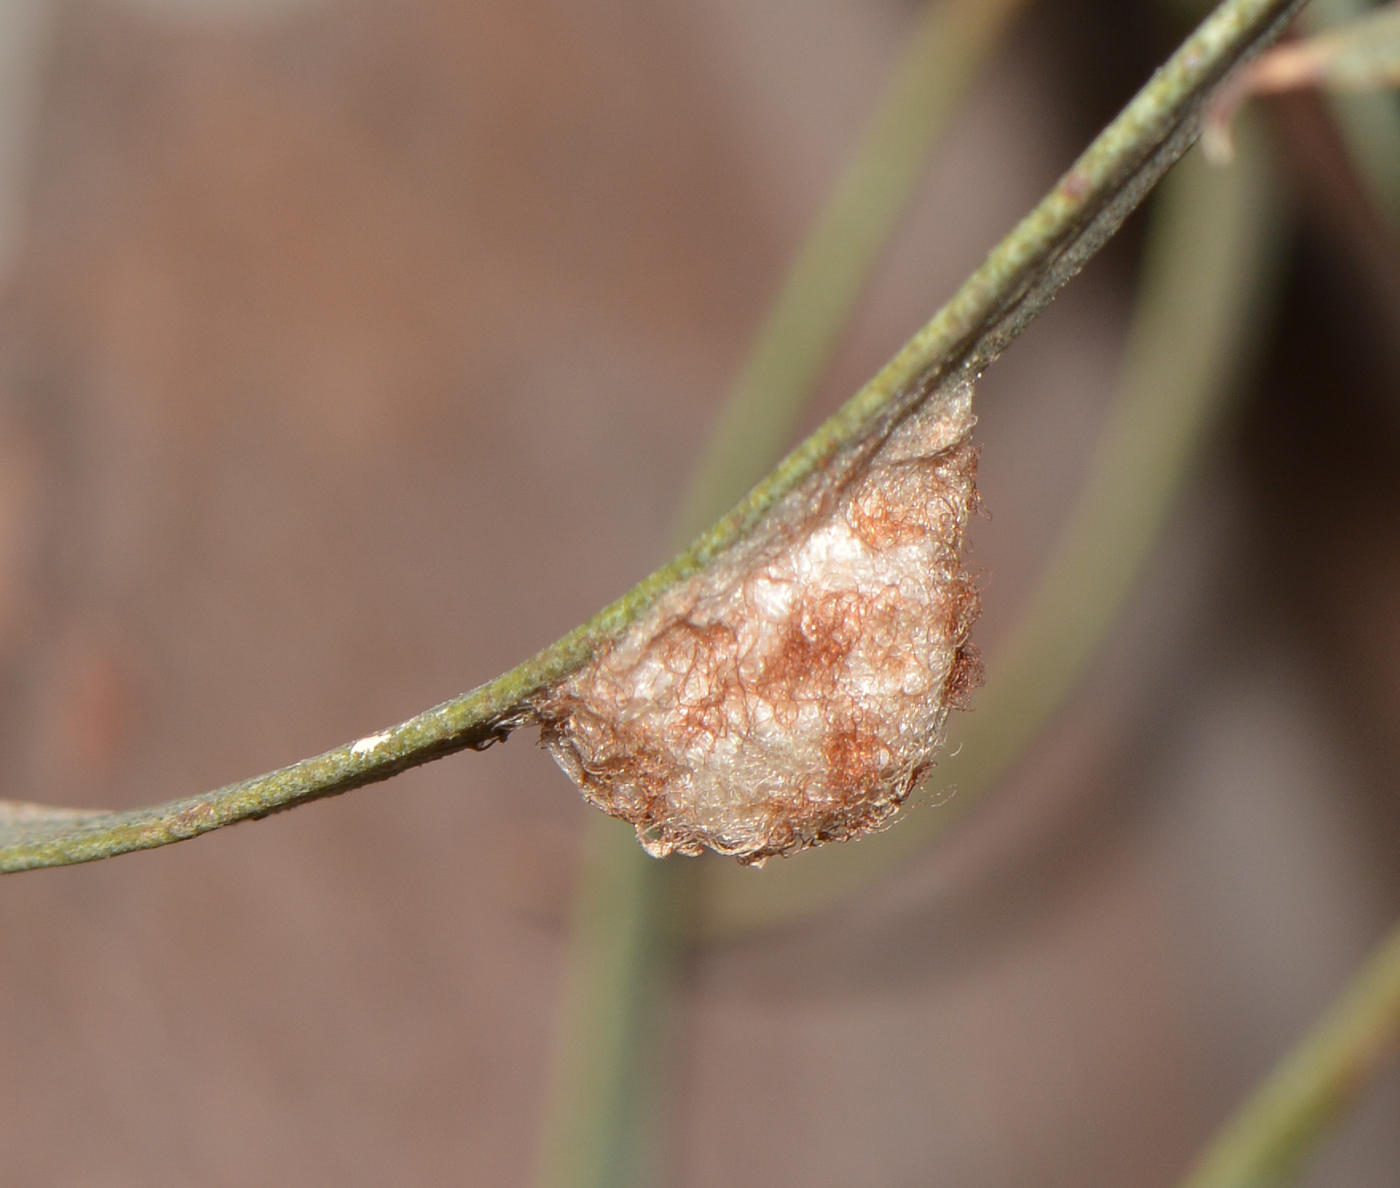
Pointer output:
x,y
963,677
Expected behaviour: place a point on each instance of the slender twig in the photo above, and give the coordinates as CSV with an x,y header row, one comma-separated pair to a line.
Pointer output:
x,y
1016,281
1213,246
1283,1120
631,913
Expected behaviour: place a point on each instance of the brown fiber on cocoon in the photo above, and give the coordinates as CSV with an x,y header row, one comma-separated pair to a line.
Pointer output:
x,y
795,691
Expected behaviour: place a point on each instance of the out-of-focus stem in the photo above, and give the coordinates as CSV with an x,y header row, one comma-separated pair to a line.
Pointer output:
x,y
819,294
1212,251
1280,1124
631,911
628,929
1369,122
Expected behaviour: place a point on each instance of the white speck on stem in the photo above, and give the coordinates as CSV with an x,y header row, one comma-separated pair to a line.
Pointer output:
x,y
368,745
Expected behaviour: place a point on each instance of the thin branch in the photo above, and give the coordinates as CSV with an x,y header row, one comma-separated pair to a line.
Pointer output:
x,y
1016,281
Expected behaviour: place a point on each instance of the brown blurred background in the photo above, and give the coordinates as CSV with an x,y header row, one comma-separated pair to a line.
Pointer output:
x,y
352,350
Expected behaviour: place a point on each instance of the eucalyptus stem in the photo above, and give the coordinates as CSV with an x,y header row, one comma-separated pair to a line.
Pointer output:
x,y
1016,281
1281,1123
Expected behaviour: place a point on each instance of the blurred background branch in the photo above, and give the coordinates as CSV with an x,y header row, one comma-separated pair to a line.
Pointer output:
x,y
1301,1101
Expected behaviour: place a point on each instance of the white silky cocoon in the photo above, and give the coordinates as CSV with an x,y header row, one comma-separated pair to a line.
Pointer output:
x,y
793,692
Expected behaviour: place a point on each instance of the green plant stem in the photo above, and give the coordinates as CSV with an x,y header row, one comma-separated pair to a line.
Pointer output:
x,y
1283,1120
1214,244
631,913
1016,281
